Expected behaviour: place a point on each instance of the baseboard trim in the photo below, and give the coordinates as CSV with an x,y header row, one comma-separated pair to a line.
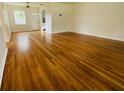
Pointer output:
x,y
60,32
27,30
105,37
2,66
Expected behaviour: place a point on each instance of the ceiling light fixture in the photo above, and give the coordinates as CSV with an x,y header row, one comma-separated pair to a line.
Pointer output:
x,y
41,4
28,6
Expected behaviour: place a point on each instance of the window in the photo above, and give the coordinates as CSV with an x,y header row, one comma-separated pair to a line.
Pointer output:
x,y
19,17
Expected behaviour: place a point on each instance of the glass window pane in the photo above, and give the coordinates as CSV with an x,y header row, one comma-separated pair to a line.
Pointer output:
x,y
19,17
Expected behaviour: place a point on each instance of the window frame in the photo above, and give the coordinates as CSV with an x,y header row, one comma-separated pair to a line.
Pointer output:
x,y
15,18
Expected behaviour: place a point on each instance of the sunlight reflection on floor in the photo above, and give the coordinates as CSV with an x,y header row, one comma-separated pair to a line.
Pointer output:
x,y
23,42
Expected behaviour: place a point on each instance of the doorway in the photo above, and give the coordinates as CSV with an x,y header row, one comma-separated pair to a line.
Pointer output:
x,y
43,19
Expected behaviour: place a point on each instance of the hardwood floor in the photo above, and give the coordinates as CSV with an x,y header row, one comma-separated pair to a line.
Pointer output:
x,y
63,61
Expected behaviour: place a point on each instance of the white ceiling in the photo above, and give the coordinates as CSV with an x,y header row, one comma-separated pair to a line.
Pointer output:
x,y
33,4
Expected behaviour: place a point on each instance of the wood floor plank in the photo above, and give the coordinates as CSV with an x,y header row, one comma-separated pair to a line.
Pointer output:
x,y
63,61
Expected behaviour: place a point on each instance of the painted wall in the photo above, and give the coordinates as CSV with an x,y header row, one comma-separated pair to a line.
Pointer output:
x,y
99,19
32,20
3,49
6,23
61,17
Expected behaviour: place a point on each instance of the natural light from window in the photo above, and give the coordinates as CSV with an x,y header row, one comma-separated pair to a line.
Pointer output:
x,y
19,16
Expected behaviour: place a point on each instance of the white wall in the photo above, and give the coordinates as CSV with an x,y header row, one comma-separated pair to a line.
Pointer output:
x,y
6,24
61,23
31,20
3,39
99,19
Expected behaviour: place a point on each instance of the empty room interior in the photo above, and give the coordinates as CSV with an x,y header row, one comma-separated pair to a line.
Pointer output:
x,y
55,46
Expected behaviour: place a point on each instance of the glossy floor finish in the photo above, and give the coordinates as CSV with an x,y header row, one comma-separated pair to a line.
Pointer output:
x,y
63,61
